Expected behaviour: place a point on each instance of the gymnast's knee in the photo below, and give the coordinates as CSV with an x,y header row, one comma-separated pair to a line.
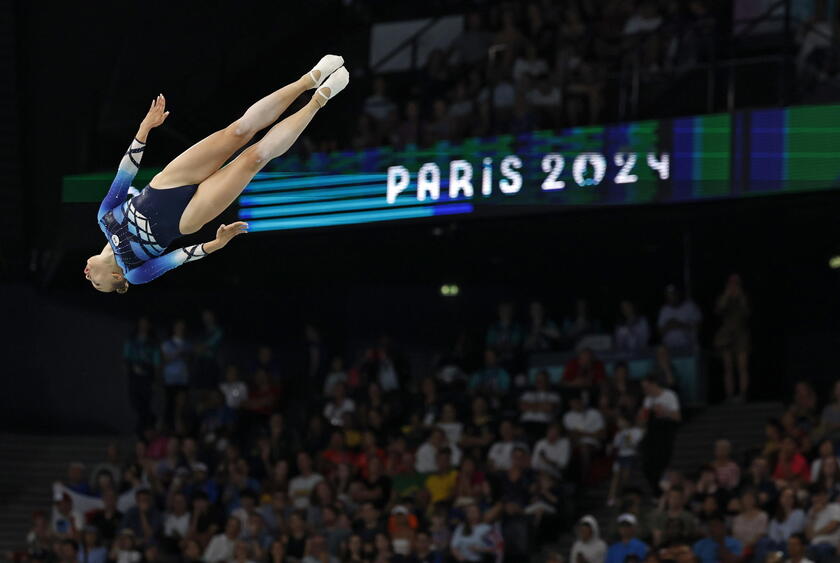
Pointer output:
x,y
240,129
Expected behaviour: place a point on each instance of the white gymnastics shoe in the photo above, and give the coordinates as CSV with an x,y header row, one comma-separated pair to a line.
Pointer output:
x,y
326,66
337,81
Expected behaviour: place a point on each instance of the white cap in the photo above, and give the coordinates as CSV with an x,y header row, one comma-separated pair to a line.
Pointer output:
x,y
627,518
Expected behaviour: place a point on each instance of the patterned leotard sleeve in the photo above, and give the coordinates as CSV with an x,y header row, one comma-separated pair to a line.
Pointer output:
x,y
126,172
114,200
156,267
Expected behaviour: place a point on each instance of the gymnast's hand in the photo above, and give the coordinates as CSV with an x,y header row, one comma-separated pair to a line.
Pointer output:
x,y
156,115
224,234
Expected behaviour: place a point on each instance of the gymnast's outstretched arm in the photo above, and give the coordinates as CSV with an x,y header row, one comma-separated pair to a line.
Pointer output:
x,y
156,267
130,162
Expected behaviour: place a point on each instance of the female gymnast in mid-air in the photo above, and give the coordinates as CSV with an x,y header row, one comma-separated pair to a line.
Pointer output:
x,y
194,189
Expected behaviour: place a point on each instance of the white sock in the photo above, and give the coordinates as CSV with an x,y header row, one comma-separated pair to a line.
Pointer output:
x,y
326,66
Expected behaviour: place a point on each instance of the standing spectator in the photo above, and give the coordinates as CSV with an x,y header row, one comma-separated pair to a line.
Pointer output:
x,y
176,353
588,547
822,526
661,410
505,336
551,454
625,446
717,546
732,339
727,471
586,429
470,541
301,486
142,360
628,545
632,332
543,333
679,320
538,407
207,351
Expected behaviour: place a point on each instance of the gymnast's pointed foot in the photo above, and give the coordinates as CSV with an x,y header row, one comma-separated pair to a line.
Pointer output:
x,y
334,84
325,67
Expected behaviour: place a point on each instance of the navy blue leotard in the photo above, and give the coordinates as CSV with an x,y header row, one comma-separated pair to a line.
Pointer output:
x,y
141,228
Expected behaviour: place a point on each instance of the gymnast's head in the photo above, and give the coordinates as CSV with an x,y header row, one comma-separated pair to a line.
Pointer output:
x,y
104,275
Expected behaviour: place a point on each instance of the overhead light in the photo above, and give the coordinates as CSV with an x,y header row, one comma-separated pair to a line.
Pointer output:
x,y
449,290
834,262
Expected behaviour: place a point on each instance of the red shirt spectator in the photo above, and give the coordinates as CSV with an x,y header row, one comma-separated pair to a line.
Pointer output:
x,y
584,370
791,465
263,397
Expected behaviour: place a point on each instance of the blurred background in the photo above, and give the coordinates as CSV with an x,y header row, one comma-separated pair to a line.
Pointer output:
x,y
427,371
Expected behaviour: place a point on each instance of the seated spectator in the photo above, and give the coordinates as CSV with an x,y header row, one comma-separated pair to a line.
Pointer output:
x,y
449,423
632,332
422,549
551,454
76,479
340,404
529,65
797,545
124,550
584,371
792,468
492,379
373,486
439,128
717,546
368,524
829,478
538,406
297,535
302,485
585,427
543,333
337,374
624,394
750,525
90,549
545,98
478,433
727,471
582,324
234,389
515,484
144,519
774,433
441,483
470,542
471,486
674,510
759,479
822,526
643,20
176,521
789,519
470,47
378,105
220,548
505,336
500,455
107,520
825,453
408,131
628,545
263,396
207,518
804,406
427,452
588,547
679,320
